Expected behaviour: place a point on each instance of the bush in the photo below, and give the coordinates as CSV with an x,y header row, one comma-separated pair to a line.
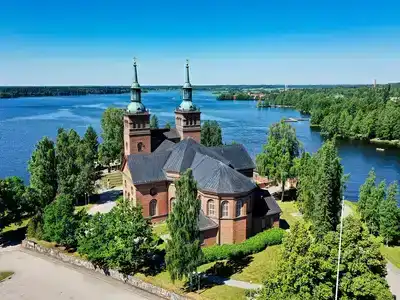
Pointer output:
x,y
35,227
252,245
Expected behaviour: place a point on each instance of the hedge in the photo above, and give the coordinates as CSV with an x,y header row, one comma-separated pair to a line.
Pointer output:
x,y
252,245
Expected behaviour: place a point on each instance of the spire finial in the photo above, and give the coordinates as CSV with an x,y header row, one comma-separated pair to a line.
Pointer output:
x,y
135,76
187,72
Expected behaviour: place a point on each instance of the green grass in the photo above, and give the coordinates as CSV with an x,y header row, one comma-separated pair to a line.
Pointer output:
x,y
84,207
15,226
261,267
392,254
160,229
5,274
289,208
224,292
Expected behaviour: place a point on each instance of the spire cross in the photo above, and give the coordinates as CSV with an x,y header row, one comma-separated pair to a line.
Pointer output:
x,y
134,61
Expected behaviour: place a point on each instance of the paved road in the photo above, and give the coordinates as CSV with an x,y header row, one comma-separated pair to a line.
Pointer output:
x,y
40,278
107,200
393,278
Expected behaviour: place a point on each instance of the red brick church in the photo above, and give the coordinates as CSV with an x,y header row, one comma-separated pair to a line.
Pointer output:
x,y
232,206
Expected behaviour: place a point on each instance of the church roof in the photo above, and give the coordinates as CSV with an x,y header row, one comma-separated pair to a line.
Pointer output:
x,y
237,155
212,171
206,223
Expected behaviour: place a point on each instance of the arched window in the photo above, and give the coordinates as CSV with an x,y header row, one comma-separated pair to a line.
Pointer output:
x,y
126,145
153,208
238,208
224,208
133,125
210,208
173,201
140,147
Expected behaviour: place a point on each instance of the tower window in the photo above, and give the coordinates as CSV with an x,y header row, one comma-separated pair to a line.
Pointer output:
x,y
225,210
153,208
210,208
140,147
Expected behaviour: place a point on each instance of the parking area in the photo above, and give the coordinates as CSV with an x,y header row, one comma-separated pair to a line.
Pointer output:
x,y
41,278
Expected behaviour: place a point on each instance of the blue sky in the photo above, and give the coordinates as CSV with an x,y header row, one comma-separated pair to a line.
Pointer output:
x,y
227,42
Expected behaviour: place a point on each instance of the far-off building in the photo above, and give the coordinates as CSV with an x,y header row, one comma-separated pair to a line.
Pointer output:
x,y
233,207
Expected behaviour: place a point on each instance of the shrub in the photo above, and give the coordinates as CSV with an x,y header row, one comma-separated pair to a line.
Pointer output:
x,y
35,227
252,245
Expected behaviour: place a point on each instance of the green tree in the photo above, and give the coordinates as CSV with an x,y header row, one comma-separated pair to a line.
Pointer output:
x,y
389,216
276,161
13,204
121,239
211,134
183,251
372,217
154,122
59,223
365,193
112,148
307,269
168,125
91,143
43,170
305,168
328,196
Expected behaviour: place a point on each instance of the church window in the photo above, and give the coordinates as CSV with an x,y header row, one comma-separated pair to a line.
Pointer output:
x,y
153,191
173,202
239,208
210,208
140,147
225,208
153,208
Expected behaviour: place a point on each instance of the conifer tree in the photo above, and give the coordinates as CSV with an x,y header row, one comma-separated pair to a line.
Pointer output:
x,y
372,208
211,134
43,170
365,193
329,185
389,217
154,122
168,125
183,251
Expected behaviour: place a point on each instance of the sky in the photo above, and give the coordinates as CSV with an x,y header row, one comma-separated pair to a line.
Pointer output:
x,y
227,42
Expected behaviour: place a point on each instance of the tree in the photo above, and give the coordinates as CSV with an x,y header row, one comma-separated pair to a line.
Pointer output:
x,y
389,216
43,170
12,201
307,268
329,189
276,161
211,134
121,239
59,223
91,143
365,193
183,251
111,149
372,217
154,122
168,125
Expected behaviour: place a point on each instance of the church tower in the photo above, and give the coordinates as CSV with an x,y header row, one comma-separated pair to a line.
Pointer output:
x,y
137,135
187,115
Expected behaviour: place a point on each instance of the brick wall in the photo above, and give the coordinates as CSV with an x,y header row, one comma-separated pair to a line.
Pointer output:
x,y
210,237
144,197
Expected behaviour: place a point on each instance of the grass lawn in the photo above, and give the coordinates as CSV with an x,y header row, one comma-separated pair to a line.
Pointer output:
x,y
288,209
5,274
84,207
392,254
224,292
15,226
261,267
160,229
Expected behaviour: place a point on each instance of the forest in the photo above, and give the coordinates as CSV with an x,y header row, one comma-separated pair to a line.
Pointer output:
x,y
357,113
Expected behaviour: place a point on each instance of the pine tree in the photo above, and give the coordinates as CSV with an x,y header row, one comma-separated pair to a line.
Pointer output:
x,y
328,196
389,218
43,172
183,251
372,217
211,134
168,125
154,122
365,193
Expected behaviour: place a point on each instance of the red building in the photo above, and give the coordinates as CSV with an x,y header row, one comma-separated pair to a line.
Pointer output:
x,y
232,206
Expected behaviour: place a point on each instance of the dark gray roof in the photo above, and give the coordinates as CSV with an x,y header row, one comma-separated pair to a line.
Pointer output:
x,y
216,177
165,145
172,134
237,155
182,155
212,171
147,167
273,207
205,223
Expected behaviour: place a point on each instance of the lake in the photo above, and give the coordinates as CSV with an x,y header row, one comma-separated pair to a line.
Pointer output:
x,y
24,121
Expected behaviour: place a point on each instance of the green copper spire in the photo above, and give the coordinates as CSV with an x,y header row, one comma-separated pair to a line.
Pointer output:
x,y
136,94
187,92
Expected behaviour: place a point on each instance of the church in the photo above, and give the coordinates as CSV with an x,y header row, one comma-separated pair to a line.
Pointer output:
x,y
233,207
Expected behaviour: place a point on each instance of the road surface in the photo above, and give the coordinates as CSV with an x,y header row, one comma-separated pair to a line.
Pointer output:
x,y
42,278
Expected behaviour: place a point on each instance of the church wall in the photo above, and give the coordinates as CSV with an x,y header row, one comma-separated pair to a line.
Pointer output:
x,y
144,197
137,131
209,237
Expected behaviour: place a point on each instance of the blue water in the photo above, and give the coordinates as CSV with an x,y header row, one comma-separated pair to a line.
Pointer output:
x,y
24,121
